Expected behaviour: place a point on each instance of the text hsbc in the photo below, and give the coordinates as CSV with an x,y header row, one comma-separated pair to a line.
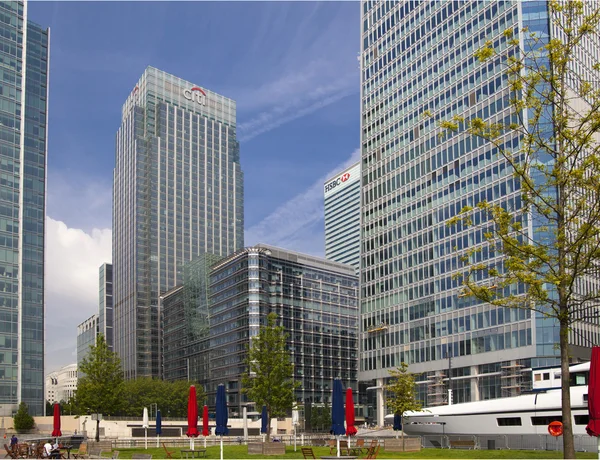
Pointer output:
x,y
333,184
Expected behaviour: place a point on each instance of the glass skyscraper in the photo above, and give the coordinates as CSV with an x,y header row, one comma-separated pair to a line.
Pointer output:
x,y
177,193
342,216
418,59
23,133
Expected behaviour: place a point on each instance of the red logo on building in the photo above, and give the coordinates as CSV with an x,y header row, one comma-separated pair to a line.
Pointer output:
x,y
345,177
195,88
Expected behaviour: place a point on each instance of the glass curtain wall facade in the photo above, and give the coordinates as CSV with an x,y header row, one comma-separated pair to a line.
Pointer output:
x,y
177,193
342,217
186,322
174,335
23,133
316,301
418,59
86,337
105,306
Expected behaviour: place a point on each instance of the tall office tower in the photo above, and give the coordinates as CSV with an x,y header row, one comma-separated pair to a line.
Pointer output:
x,y
23,130
418,57
87,332
105,304
177,193
342,216
316,301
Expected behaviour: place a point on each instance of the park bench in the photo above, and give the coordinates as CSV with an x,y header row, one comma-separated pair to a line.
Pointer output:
x,y
462,444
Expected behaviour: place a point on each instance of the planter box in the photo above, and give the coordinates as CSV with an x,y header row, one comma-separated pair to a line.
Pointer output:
x,y
411,444
266,448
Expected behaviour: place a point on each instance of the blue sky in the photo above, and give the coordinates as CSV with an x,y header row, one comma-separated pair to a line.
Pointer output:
x,y
292,68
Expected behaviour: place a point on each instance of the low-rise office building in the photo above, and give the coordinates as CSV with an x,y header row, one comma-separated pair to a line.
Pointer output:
x,y
316,301
62,384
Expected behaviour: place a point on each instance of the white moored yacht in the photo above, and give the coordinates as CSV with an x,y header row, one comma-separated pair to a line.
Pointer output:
x,y
528,413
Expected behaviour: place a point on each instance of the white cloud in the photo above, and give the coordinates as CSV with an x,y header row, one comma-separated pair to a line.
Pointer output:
x,y
80,200
280,115
294,224
73,258
311,73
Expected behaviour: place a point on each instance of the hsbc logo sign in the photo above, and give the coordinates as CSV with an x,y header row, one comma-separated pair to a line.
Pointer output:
x,y
337,182
195,94
345,179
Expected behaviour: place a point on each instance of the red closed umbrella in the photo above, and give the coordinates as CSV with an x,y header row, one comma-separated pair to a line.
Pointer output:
x,y
192,413
593,426
350,428
205,431
56,426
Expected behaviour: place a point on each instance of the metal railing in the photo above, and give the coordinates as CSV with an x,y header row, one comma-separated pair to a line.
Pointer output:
x,y
583,443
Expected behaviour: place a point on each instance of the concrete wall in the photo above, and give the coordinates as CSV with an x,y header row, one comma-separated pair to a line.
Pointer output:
x,y
115,429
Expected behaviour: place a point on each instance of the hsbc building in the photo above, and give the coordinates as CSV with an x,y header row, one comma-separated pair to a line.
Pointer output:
x,y
342,216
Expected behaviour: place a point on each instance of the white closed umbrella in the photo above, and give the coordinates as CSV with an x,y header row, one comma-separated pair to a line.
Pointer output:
x,y
295,420
145,424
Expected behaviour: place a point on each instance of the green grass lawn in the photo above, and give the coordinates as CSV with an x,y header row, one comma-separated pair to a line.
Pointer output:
x,y
233,452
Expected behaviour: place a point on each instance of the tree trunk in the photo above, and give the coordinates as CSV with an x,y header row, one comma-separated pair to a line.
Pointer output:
x,y
97,429
268,434
562,172
402,422
568,444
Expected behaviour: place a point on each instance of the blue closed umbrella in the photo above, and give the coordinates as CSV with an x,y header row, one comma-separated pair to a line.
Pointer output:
x,y
337,412
158,423
158,427
222,416
264,416
397,422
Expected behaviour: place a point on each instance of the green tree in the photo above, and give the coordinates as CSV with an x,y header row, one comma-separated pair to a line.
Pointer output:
x,y
326,417
269,380
402,393
321,418
549,246
22,420
176,397
66,407
170,397
100,389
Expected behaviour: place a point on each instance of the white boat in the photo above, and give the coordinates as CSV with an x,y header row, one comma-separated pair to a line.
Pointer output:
x,y
528,413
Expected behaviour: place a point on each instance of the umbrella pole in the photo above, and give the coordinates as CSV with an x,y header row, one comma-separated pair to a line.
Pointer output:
x,y
598,438
146,437
205,442
221,447
157,440
338,445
